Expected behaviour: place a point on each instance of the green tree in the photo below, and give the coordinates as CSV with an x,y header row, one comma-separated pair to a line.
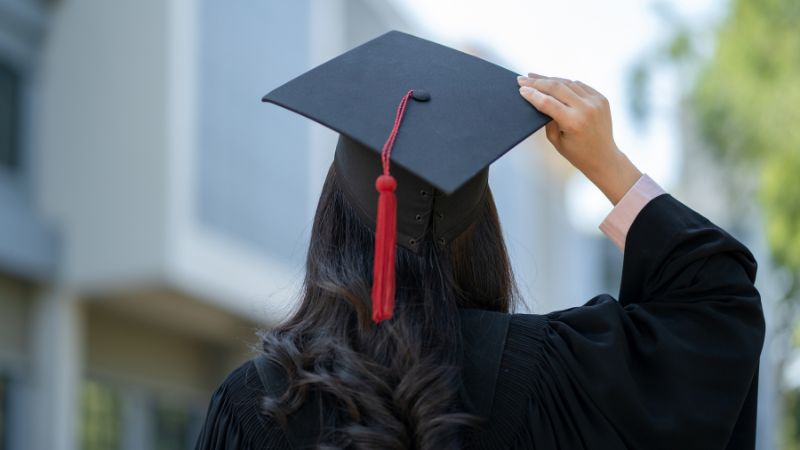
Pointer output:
x,y
745,96
747,101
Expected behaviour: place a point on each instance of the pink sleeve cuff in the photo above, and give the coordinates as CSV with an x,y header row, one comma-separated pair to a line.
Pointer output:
x,y
619,220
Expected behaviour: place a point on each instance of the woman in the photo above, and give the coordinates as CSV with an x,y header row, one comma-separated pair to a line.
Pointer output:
x,y
672,364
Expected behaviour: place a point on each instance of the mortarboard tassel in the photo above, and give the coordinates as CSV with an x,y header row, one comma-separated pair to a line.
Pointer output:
x,y
383,280
383,284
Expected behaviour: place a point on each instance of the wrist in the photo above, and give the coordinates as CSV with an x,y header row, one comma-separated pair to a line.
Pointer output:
x,y
615,177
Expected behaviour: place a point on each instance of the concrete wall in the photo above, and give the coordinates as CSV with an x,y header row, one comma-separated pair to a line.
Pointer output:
x,y
124,350
102,136
250,151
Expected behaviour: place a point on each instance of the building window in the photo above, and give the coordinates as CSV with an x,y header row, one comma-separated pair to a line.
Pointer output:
x,y
175,427
9,116
101,427
3,412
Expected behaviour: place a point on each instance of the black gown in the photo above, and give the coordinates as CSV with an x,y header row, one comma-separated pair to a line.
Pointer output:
x,y
673,364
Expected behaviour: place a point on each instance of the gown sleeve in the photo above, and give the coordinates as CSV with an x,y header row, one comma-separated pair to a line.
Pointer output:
x,y
672,364
234,420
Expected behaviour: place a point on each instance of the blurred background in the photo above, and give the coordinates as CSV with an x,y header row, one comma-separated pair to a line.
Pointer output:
x,y
154,214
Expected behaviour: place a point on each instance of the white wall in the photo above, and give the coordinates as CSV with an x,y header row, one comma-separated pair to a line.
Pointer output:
x,y
101,131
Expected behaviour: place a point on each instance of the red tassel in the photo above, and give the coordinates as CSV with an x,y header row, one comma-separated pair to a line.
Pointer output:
x,y
383,283
383,280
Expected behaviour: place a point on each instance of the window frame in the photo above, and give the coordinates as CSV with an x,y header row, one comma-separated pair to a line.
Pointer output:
x,y
11,161
117,400
20,42
138,406
190,419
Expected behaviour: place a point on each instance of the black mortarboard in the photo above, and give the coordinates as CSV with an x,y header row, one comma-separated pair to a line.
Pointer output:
x,y
462,114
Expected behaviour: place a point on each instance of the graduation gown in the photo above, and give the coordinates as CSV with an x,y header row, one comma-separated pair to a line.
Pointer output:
x,y
672,364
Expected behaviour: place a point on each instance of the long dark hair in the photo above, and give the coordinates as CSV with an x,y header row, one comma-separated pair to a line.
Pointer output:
x,y
393,385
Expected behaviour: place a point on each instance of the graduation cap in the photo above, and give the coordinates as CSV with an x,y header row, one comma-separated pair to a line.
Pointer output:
x,y
419,125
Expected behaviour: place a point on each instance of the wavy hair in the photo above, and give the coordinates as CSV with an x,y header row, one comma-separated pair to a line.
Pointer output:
x,y
394,385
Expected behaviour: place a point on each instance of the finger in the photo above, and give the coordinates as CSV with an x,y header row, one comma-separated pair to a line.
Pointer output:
x,y
595,97
553,132
587,88
522,80
575,86
557,89
545,103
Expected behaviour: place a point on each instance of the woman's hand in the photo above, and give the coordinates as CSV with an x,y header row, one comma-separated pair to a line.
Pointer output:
x,y
581,131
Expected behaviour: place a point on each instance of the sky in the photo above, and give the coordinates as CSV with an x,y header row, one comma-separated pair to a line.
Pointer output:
x,y
594,41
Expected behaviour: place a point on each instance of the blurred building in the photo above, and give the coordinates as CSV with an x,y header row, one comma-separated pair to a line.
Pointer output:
x,y
154,214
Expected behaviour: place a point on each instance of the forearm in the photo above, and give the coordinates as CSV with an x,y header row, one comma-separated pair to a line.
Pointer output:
x,y
615,177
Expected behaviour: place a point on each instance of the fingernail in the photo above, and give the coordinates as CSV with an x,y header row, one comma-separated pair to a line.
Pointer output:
x,y
527,90
521,79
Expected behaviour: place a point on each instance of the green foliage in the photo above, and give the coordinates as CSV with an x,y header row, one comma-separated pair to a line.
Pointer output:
x,y
747,99
791,421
